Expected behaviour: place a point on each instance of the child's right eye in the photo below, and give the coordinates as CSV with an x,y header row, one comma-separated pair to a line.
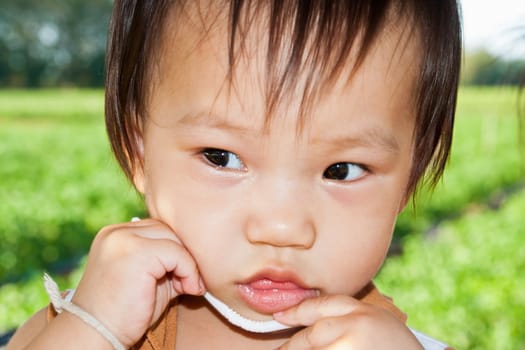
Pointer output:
x,y
223,159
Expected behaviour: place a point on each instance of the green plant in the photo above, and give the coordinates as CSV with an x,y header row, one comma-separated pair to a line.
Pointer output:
x,y
465,285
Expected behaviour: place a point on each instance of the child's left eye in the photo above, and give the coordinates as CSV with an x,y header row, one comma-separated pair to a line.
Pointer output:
x,y
223,159
344,171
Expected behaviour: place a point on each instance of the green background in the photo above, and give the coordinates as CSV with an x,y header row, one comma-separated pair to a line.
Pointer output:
x,y
458,259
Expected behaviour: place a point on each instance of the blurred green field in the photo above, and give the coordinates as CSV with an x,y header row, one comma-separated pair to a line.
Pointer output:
x,y
59,181
460,276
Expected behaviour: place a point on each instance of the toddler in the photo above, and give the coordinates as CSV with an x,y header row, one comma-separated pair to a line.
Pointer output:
x,y
275,143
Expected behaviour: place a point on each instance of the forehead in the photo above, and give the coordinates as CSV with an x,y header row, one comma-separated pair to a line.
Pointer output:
x,y
195,67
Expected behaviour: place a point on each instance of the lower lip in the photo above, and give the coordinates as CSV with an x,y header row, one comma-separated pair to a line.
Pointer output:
x,y
267,296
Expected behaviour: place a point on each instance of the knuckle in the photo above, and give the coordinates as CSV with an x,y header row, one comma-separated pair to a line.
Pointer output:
x,y
105,232
365,318
116,242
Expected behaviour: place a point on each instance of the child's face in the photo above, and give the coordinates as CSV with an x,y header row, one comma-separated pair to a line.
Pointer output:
x,y
313,210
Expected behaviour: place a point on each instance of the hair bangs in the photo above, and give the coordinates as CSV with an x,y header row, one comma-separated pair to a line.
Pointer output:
x,y
308,45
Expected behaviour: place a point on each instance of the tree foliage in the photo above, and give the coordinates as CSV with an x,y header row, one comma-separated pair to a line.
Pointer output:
x,y
53,42
62,43
483,68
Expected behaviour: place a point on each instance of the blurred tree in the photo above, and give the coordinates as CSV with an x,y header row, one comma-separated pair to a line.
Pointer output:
x,y
62,42
53,42
483,68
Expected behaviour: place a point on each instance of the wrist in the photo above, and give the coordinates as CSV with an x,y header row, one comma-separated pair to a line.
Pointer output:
x,y
84,335
60,304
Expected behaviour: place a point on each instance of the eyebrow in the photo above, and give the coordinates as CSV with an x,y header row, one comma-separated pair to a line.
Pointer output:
x,y
213,121
369,138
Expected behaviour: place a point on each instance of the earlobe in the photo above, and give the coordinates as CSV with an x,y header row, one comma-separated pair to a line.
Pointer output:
x,y
138,179
138,166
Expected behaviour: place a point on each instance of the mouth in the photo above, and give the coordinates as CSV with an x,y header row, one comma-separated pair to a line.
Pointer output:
x,y
269,292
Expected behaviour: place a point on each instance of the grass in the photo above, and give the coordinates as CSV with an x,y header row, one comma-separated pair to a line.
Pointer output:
x,y
459,276
59,181
51,106
487,161
465,286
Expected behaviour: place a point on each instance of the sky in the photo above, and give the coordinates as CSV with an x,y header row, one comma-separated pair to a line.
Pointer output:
x,y
493,25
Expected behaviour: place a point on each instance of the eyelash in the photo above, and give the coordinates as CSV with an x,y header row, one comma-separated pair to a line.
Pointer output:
x,y
334,172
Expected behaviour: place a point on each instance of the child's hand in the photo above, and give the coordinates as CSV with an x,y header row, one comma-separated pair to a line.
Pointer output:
x,y
341,322
133,271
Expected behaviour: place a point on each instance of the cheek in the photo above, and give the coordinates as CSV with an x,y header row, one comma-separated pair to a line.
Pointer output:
x,y
356,238
202,217
354,256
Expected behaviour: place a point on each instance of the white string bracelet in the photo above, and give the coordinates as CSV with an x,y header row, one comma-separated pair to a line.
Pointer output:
x,y
61,304
240,321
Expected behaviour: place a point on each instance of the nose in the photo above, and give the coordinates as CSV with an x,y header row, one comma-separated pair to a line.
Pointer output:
x,y
280,215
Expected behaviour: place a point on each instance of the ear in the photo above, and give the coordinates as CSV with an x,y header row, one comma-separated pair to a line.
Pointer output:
x,y
139,180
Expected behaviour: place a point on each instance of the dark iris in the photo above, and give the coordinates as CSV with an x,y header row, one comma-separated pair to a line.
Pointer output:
x,y
217,157
337,171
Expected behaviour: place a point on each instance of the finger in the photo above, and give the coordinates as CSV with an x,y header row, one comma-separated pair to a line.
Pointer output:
x,y
155,247
151,228
170,258
311,310
159,257
148,228
325,334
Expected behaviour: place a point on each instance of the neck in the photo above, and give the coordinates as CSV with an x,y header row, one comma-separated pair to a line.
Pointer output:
x,y
199,326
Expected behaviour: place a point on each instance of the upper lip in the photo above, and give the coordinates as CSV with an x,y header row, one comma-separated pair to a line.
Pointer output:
x,y
277,275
